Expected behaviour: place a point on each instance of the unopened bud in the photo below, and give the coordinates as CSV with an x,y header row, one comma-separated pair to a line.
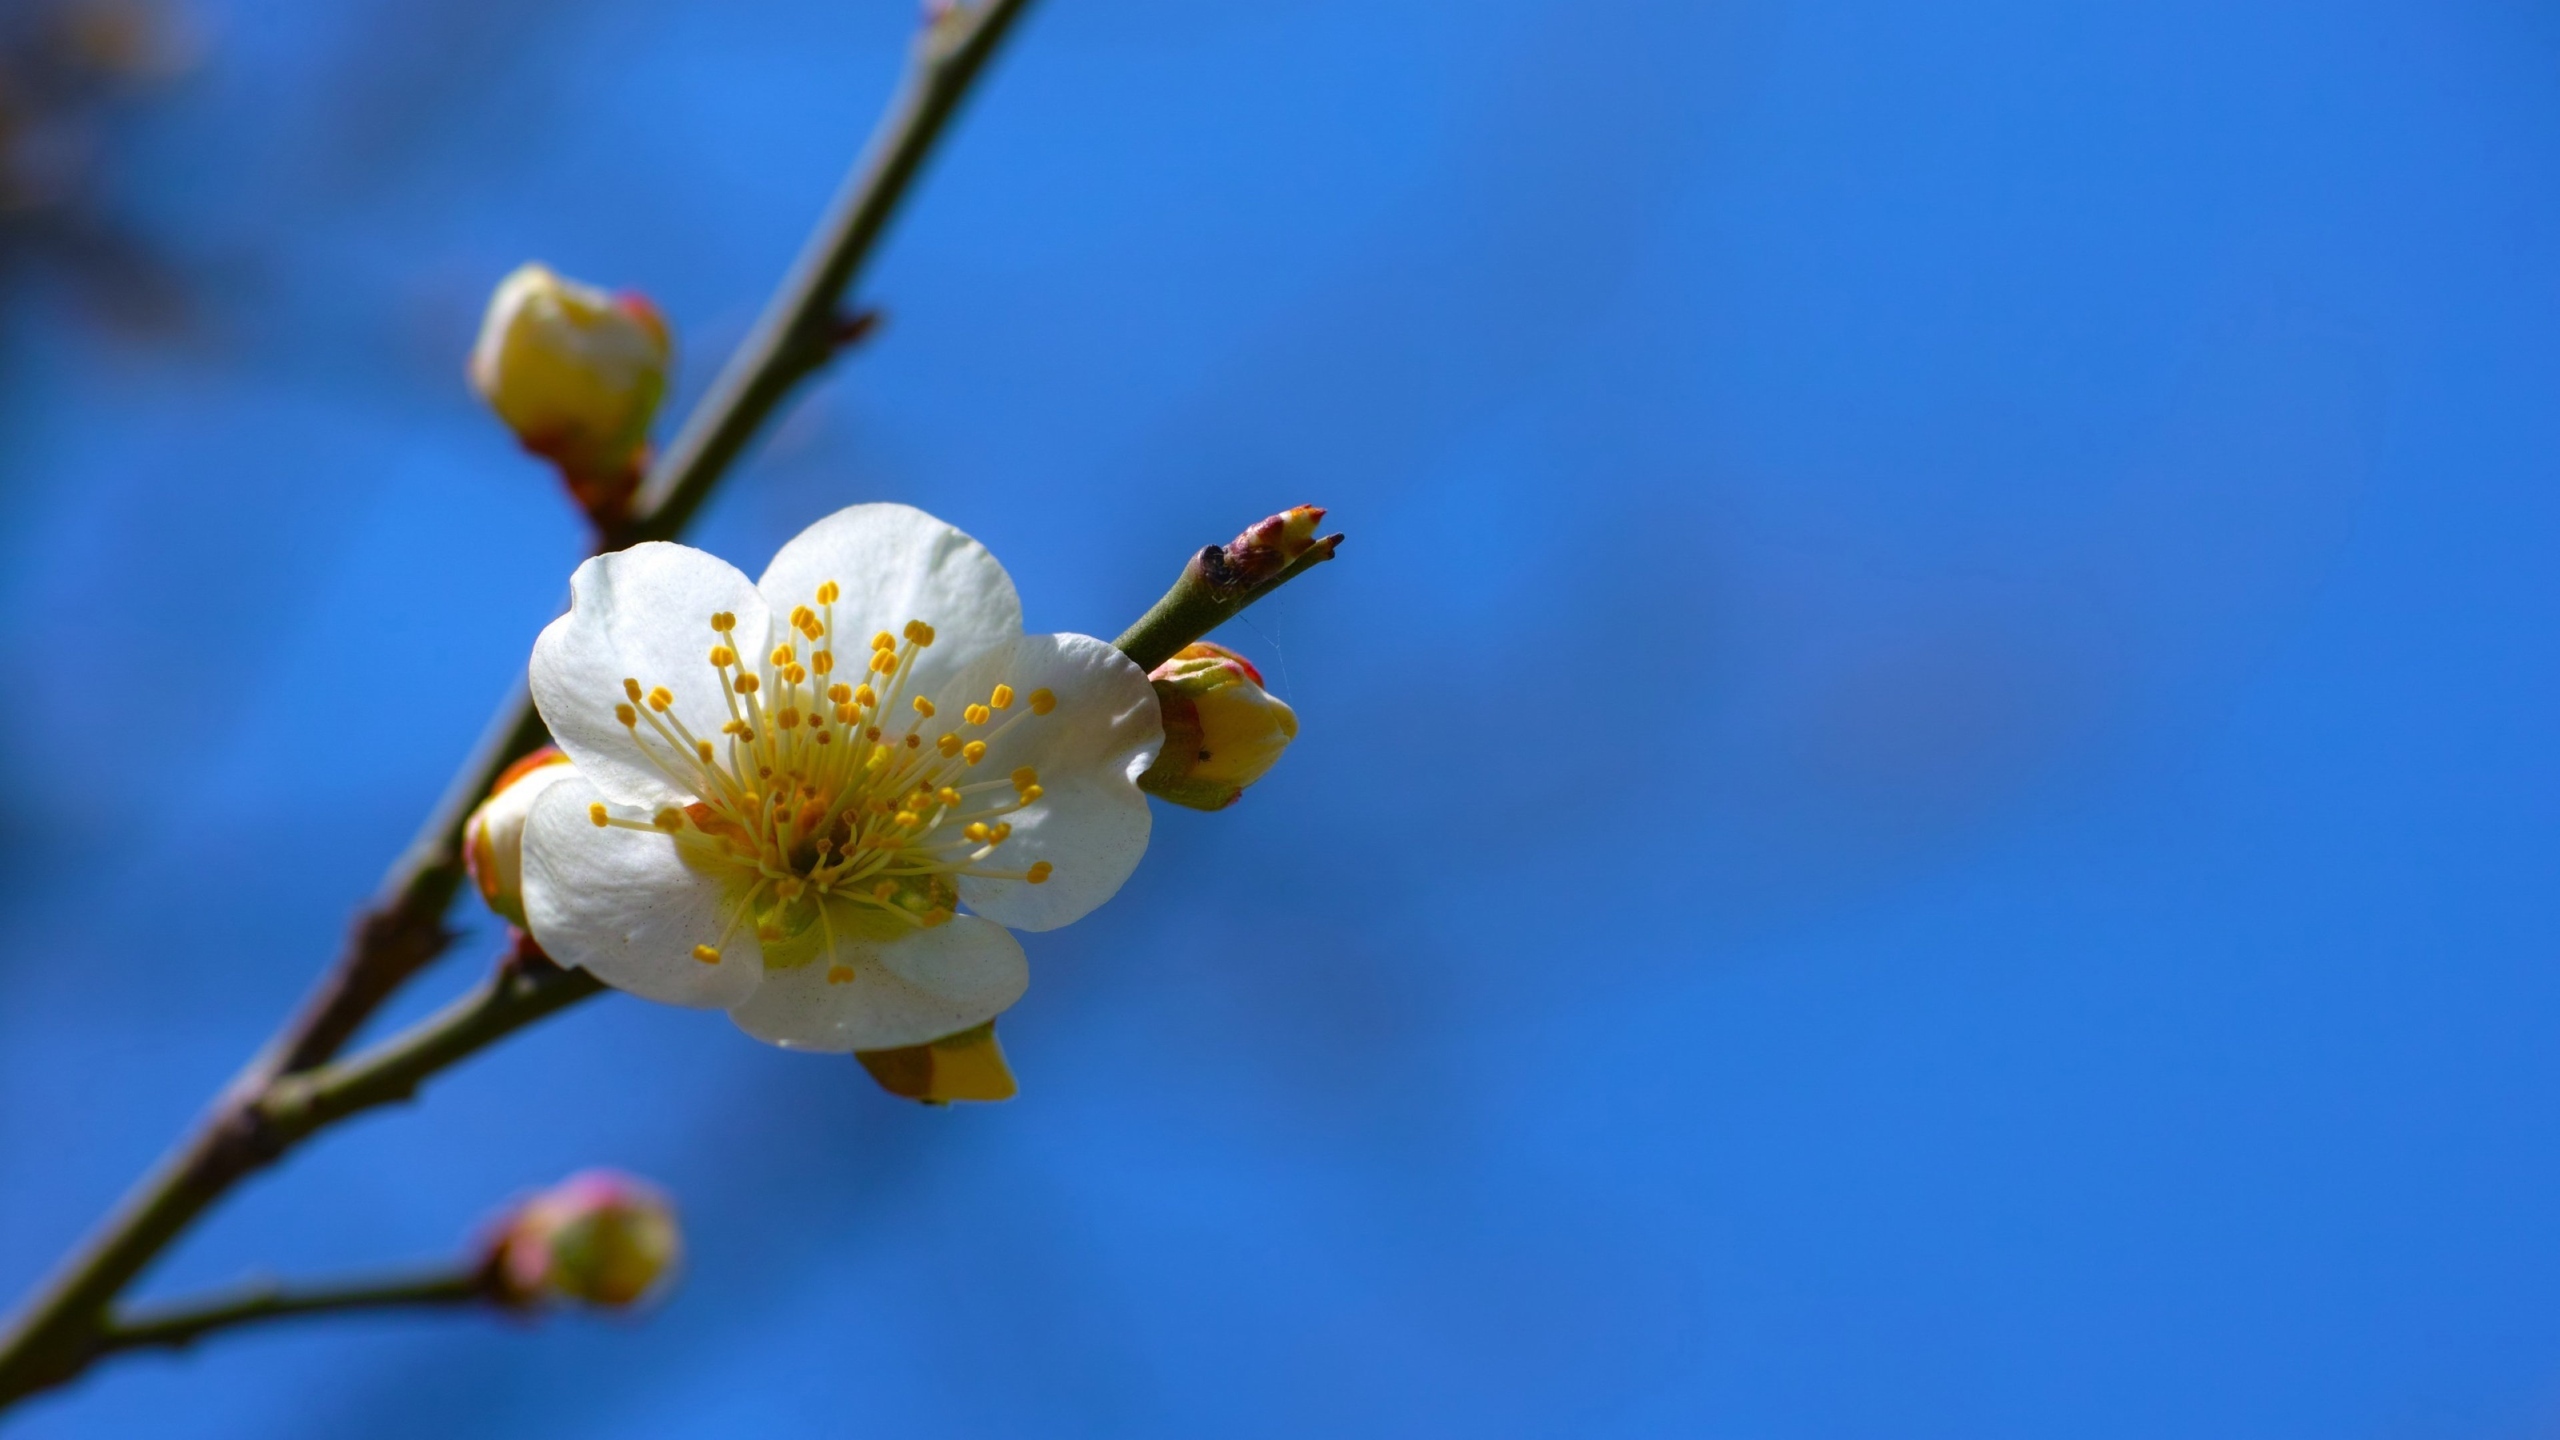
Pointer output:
x,y
1266,548
576,373
966,1066
493,838
1222,730
598,1238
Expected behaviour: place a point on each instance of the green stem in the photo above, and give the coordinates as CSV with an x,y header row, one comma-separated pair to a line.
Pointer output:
x,y
1200,602
178,1324
55,1335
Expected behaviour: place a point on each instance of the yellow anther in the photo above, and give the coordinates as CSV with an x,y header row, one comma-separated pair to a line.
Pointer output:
x,y
884,641
1003,698
626,714
1039,872
976,830
920,632
631,688
1000,832
747,684
879,754
781,655
839,974
1042,702
949,745
811,628
949,797
723,657
794,674
597,813
790,719
865,695
703,749
924,707
823,661
661,698
706,954
974,751
839,693
905,820
846,714
724,622
976,714
1025,778
1030,793
735,727
801,615
827,592
670,820
884,661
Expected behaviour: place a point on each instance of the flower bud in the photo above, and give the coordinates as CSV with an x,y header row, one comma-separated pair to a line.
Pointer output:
x,y
575,372
966,1066
1267,547
493,838
1222,730
598,1238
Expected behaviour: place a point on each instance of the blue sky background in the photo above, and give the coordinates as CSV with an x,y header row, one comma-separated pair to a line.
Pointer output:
x,y
1927,796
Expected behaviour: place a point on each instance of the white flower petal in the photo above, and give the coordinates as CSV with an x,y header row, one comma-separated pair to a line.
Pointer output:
x,y
643,614
622,905
895,563
928,985
1091,821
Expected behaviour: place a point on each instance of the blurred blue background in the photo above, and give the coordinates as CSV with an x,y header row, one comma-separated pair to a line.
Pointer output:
x,y
1926,805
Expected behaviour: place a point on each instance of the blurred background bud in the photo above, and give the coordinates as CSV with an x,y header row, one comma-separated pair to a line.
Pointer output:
x,y
966,1066
69,70
493,838
1222,730
577,374
599,1238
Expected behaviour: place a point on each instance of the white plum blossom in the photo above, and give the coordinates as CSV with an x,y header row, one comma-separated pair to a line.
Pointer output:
x,y
785,792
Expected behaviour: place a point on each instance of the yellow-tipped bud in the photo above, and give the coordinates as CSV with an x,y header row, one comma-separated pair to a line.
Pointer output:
x,y
599,1238
1222,730
493,838
966,1066
575,372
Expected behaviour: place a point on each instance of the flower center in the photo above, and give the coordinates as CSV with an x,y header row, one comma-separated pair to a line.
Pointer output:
x,y
837,807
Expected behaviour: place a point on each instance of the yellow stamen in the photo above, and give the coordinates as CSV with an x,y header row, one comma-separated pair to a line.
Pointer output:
x,y
1003,698
597,813
1042,702
626,714
974,751
1039,872
924,707
706,954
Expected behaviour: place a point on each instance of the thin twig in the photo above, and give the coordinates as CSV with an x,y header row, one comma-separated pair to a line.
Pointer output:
x,y
177,1324
55,1335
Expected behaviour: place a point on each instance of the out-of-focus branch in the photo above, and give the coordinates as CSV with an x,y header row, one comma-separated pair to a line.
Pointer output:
x,y
57,1334
181,1323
